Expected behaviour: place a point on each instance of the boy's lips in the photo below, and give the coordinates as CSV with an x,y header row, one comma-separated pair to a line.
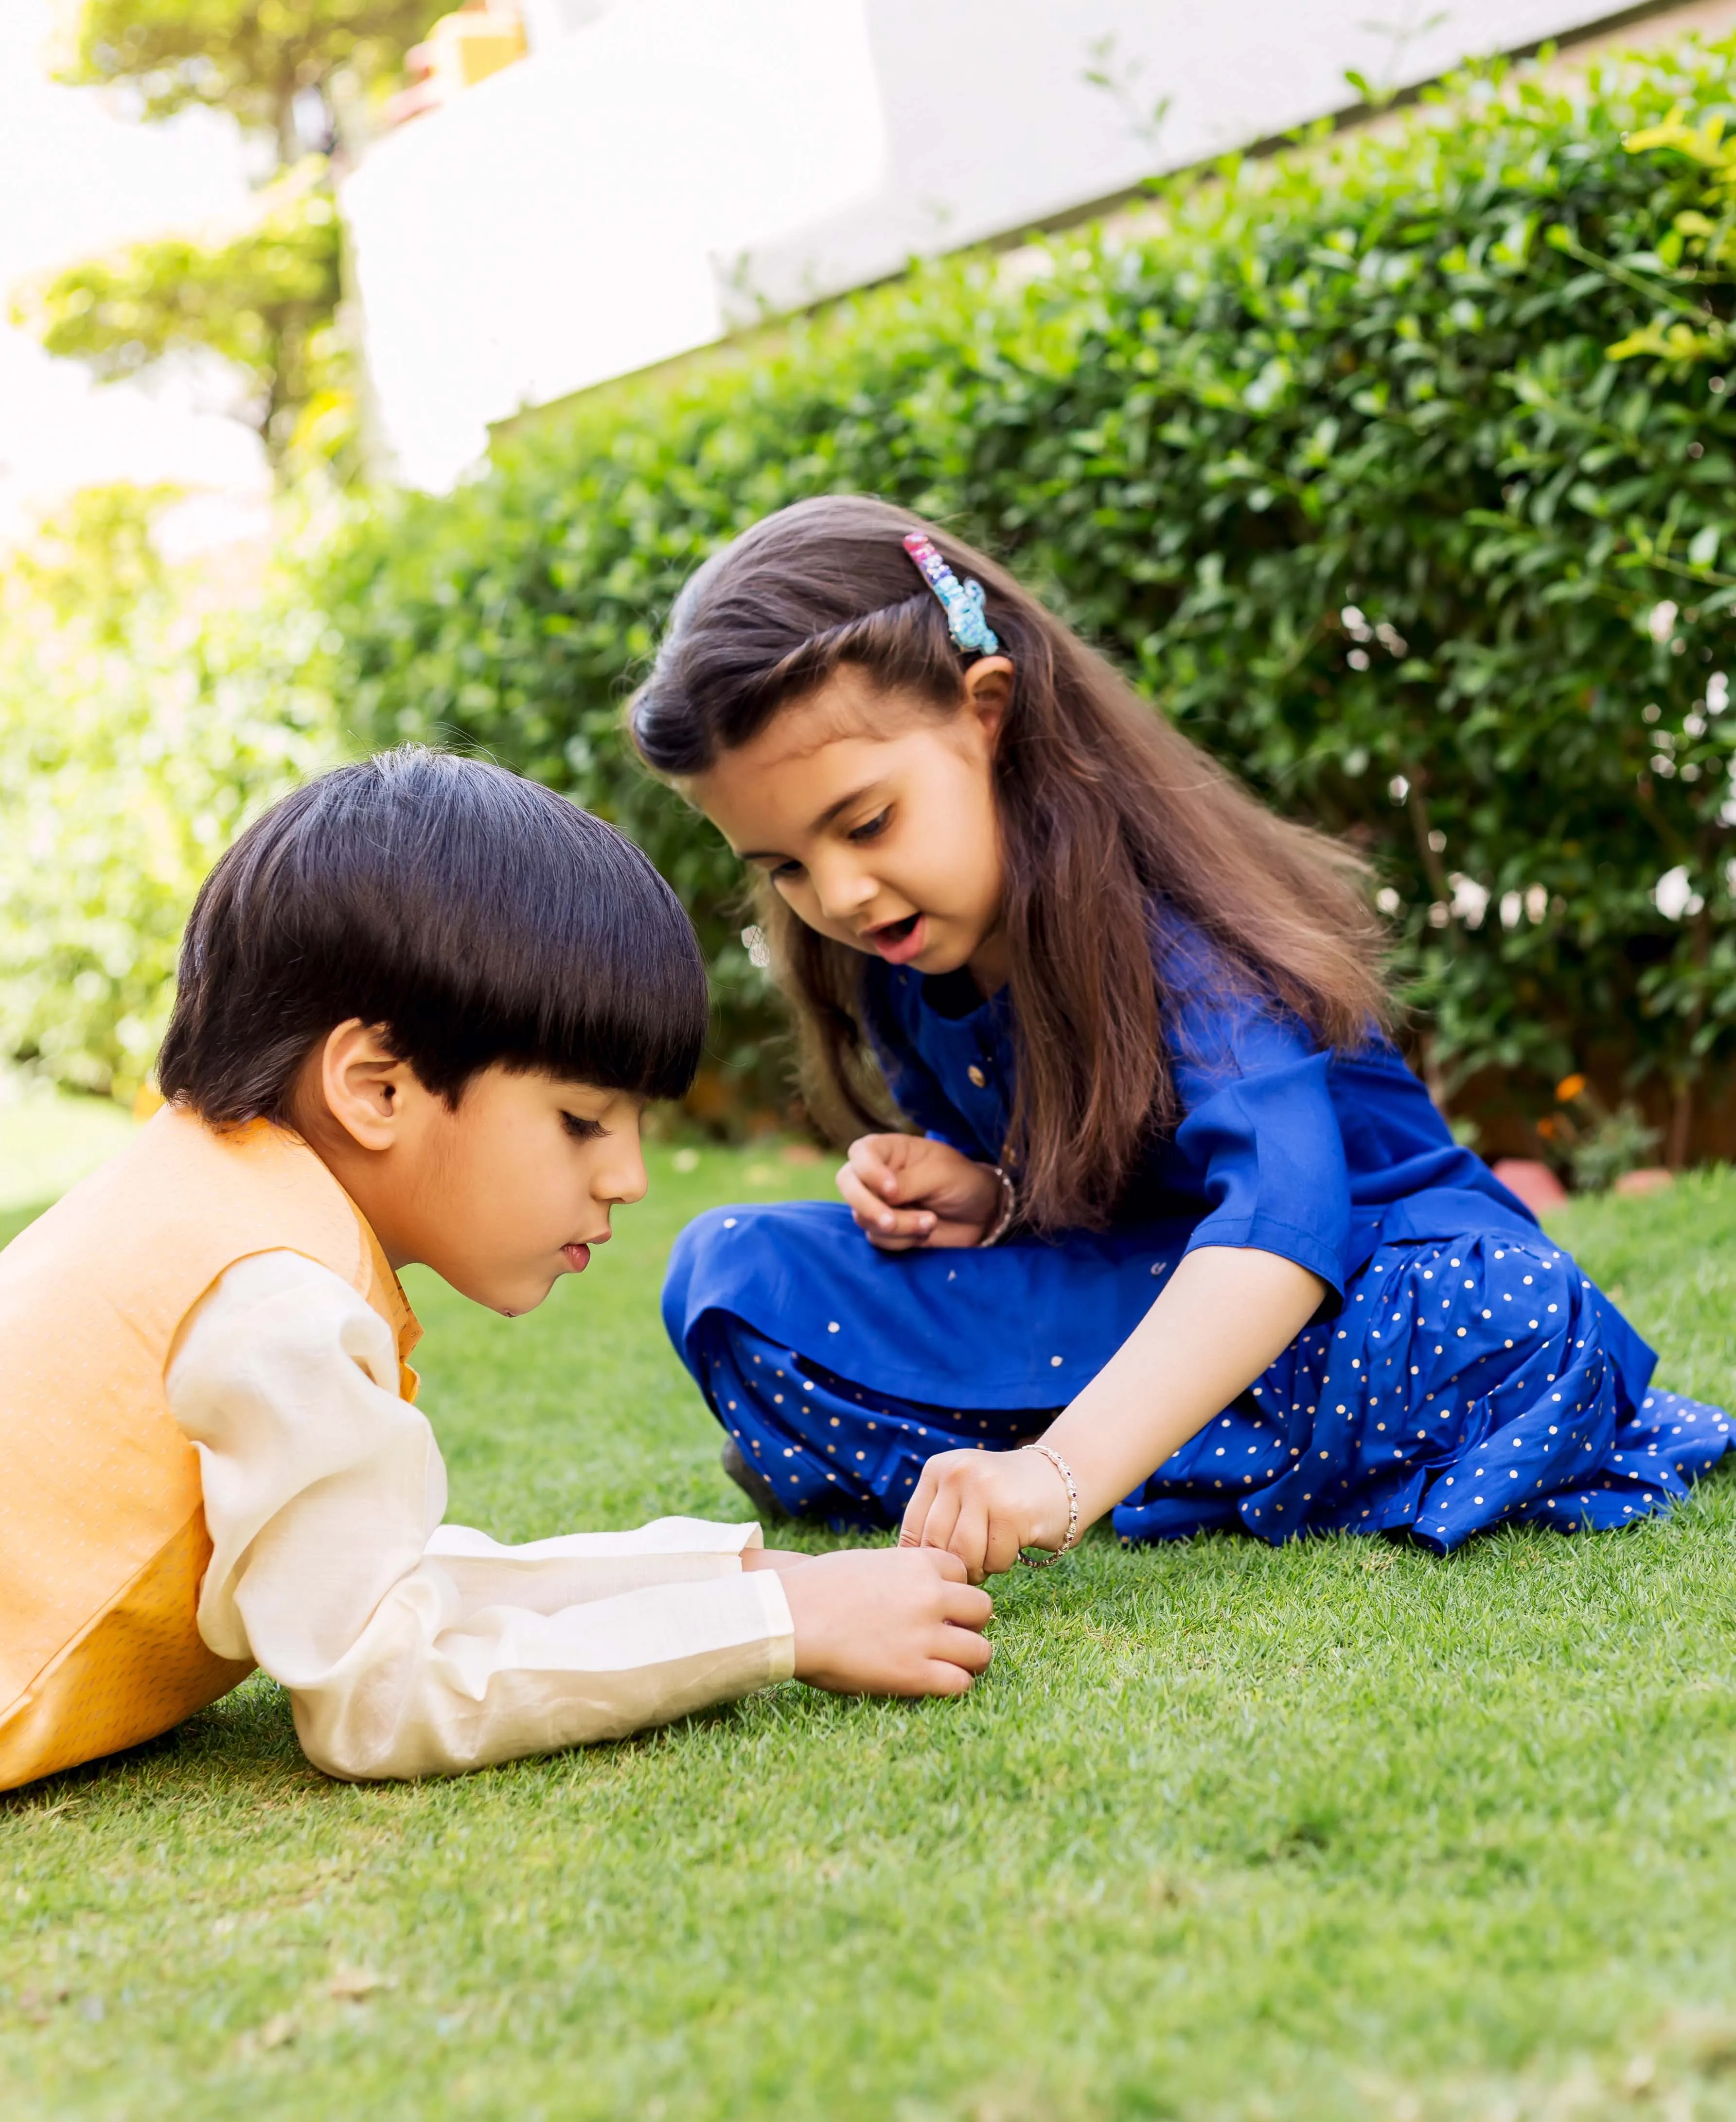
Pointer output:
x,y
577,1257
898,942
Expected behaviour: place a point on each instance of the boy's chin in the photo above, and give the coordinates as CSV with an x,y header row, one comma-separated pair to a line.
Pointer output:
x,y
511,1295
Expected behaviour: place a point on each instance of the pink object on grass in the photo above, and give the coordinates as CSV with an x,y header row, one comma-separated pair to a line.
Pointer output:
x,y
1653,1180
1534,1183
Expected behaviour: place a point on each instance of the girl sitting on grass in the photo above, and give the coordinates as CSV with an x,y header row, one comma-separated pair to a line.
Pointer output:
x,y
422,1005
1174,1216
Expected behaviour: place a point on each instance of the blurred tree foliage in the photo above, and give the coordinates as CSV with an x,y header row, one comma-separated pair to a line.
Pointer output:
x,y
252,58
1397,471
136,734
262,300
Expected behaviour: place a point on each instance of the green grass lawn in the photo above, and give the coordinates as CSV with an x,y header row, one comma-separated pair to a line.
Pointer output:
x,y
1337,1831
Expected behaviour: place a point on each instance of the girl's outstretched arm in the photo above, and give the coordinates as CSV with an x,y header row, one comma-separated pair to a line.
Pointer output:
x,y
1223,1316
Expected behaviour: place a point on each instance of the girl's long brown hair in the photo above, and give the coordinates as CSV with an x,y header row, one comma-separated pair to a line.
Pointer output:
x,y
1103,809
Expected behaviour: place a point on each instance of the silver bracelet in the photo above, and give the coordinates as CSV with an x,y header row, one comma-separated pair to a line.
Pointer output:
x,y
1045,1557
1009,1209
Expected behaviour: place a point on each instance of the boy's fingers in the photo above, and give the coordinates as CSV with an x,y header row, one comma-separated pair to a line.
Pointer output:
x,y
966,1605
964,1646
947,1565
943,1677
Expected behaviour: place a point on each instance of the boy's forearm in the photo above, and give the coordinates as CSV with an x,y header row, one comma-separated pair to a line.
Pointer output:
x,y
1222,1318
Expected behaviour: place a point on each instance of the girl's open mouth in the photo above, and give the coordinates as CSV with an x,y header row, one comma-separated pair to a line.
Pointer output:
x,y
577,1257
898,942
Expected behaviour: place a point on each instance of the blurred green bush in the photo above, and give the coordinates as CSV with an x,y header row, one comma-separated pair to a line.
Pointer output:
x,y
1398,470
138,733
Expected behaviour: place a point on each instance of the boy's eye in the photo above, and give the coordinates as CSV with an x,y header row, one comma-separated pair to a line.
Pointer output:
x,y
582,1130
872,828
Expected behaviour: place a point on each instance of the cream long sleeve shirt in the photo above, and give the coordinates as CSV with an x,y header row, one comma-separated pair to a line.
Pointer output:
x,y
410,1648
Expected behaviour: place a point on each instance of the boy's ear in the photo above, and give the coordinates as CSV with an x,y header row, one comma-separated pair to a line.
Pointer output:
x,y
362,1084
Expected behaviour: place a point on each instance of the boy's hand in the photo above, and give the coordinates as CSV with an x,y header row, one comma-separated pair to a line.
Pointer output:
x,y
780,1559
983,1507
887,1621
905,1190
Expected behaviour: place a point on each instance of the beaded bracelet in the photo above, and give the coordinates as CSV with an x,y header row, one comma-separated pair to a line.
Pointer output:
x,y
1009,1209
1044,1558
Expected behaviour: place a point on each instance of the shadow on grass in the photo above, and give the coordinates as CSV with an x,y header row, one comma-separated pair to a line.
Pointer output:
x,y
245,1744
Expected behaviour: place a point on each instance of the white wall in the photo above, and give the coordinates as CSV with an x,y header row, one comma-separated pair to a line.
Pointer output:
x,y
993,122
560,222
673,166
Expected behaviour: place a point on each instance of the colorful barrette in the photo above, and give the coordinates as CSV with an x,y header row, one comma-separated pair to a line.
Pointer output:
x,y
963,600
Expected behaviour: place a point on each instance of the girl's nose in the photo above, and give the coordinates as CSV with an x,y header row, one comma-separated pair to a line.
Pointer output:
x,y
842,890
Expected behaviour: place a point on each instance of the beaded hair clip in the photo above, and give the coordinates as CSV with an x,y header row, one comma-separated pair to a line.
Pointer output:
x,y
963,600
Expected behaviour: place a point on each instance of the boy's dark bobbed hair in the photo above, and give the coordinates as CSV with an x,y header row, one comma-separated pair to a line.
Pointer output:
x,y
477,917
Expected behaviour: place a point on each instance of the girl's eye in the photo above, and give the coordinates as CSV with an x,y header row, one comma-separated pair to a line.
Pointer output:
x,y
874,828
785,872
581,1130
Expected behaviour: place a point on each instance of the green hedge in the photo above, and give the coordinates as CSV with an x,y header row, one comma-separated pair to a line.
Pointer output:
x,y
1335,454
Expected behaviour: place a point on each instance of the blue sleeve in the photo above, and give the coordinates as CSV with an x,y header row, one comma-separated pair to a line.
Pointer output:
x,y
1259,1139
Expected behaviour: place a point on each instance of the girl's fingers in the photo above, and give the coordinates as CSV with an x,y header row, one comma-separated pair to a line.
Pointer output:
x,y
969,1538
916,1510
882,1224
870,1165
936,1531
1003,1544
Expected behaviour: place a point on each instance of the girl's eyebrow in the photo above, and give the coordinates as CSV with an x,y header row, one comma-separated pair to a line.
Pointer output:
x,y
819,825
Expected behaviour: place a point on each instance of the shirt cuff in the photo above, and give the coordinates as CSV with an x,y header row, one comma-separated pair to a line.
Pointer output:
x,y
1264,1234
780,1627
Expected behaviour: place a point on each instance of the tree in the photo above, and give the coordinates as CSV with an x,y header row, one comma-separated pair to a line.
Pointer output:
x,y
261,298
250,58
93,562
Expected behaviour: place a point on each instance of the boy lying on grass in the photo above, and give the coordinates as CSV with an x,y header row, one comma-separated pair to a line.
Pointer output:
x,y
422,1005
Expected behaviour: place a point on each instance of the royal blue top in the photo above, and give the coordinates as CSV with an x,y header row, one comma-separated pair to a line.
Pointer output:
x,y
1282,1145
1317,1155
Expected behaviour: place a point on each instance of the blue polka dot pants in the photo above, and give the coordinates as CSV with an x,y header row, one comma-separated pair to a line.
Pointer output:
x,y
1464,1386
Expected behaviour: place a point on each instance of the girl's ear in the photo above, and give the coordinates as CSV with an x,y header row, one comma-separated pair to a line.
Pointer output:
x,y
989,692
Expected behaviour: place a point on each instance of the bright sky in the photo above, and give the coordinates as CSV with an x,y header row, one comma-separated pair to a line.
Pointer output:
x,y
77,177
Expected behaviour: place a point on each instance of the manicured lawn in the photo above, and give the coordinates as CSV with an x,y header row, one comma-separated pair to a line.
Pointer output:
x,y
1333,1832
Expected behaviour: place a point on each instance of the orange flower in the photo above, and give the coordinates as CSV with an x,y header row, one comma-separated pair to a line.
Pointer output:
x,y
1569,1088
1546,1127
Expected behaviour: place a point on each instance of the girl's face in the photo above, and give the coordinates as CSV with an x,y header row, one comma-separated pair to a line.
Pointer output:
x,y
874,817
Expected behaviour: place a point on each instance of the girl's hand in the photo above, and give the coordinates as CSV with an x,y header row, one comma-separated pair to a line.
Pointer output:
x,y
887,1621
984,1506
905,1190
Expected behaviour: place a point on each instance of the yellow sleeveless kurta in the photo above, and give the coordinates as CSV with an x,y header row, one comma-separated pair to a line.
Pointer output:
x,y
103,1545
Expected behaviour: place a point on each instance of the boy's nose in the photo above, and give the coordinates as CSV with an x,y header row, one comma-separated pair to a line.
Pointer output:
x,y
626,1183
